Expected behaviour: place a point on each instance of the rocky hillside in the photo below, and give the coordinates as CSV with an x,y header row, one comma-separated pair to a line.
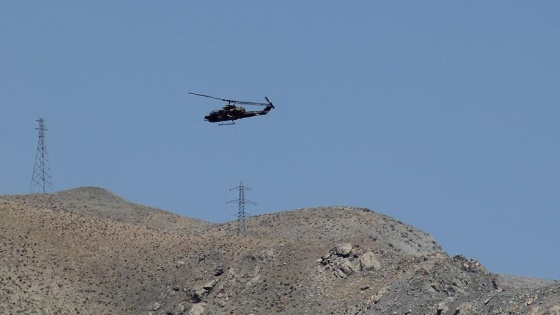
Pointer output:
x,y
99,202
87,251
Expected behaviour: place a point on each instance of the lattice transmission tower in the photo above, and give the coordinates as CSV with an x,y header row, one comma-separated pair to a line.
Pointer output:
x,y
241,214
41,170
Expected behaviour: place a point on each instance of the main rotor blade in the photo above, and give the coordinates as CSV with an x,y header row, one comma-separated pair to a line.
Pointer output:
x,y
251,103
216,98
234,101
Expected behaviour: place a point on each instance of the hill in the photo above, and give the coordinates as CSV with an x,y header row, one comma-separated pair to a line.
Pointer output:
x,y
57,258
101,203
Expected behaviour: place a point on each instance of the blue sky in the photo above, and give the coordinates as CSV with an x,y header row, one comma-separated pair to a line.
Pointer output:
x,y
441,114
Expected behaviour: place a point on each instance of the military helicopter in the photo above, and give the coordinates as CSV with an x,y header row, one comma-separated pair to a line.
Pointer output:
x,y
230,112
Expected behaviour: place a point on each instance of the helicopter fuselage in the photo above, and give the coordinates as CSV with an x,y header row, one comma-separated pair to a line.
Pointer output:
x,y
232,113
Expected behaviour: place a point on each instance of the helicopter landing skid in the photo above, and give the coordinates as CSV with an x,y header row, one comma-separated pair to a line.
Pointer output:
x,y
228,124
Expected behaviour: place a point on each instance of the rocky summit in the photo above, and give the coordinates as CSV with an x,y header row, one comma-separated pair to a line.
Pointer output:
x,y
88,251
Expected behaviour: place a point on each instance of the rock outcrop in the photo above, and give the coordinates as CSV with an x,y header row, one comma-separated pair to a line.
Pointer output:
x,y
343,260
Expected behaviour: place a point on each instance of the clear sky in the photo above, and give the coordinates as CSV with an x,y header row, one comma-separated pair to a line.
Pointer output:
x,y
441,114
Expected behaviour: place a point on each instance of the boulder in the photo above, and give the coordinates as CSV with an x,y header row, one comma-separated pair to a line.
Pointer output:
x,y
208,286
343,249
368,261
179,309
465,309
346,267
340,273
156,306
196,309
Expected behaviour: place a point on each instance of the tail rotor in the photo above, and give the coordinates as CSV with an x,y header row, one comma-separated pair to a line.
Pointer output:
x,y
269,102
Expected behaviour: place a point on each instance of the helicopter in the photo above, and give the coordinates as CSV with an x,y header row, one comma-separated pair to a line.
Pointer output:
x,y
231,112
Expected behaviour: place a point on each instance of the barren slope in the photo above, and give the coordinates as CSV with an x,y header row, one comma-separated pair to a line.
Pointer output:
x,y
332,260
99,202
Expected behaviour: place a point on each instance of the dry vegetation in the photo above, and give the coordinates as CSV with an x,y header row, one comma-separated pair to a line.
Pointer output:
x,y
87,251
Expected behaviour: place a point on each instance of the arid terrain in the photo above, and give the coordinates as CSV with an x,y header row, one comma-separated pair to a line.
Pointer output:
x,y
88,251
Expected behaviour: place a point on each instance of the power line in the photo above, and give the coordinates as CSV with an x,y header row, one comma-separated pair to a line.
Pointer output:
x,y
41,170
241,215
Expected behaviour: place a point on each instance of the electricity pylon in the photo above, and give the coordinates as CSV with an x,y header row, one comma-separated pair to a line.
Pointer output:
x,y
41,171
241,215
